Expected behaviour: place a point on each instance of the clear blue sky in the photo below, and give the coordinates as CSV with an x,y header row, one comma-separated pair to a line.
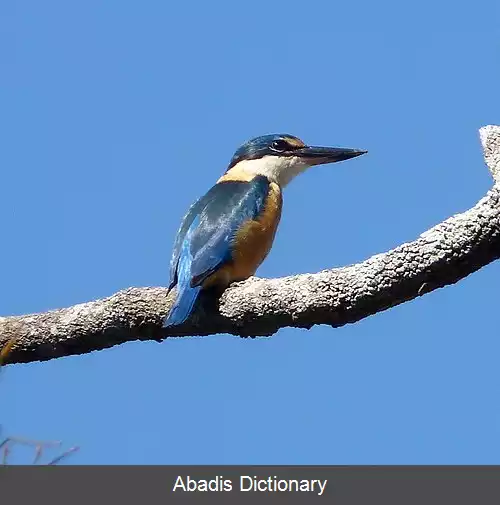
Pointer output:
x,y
116,115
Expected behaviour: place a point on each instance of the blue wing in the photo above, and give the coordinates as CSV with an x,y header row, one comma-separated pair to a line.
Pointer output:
x,y
203,243
186,223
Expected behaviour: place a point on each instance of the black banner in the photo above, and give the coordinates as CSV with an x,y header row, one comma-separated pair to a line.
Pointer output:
x,y
145,485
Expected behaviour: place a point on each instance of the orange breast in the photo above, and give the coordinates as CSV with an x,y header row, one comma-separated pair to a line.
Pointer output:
x,y
252,243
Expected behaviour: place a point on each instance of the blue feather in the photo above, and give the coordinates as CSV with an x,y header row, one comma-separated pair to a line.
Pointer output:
x,y
204,240
186,294
181,310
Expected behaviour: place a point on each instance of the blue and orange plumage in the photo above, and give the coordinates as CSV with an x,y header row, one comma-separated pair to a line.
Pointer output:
x,y
227,233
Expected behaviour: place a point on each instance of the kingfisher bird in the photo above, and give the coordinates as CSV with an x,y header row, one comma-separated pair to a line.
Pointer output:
x,y
227,233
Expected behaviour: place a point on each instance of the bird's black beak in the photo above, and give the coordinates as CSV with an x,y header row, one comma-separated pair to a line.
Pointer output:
x,y
322,155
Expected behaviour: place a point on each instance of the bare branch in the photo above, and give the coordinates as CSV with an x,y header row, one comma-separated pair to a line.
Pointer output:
x,y
441,256
490,140
38,446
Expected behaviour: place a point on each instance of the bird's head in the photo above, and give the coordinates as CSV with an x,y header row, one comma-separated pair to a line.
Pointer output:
x,y
281,157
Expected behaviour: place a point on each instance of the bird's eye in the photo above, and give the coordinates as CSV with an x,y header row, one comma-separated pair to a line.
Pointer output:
x,y
279,145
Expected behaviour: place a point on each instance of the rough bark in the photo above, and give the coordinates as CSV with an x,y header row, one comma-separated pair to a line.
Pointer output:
x,y
441,256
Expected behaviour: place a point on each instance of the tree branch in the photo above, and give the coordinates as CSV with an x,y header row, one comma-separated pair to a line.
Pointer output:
x,y
441,256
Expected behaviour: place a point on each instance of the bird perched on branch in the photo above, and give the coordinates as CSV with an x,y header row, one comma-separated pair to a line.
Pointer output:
x,y
228,232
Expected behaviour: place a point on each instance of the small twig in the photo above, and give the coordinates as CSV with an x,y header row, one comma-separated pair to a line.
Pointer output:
x,y
39,448
57,459
38,454
5,445
6,452
6,350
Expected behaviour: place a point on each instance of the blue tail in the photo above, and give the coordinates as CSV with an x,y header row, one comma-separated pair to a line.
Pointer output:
x,y
183,305
186,294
